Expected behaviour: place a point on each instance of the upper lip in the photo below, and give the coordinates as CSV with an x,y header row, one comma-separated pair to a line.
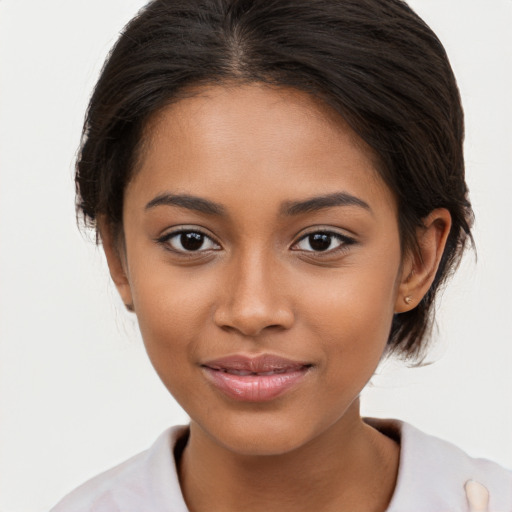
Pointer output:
x,y
258,364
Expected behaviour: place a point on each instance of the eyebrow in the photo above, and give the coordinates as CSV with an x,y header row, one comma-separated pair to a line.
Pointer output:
x,y
197,204
314,204
309,205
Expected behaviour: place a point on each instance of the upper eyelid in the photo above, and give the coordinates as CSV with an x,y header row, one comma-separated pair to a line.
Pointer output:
x,y
324,231
176,230
319,229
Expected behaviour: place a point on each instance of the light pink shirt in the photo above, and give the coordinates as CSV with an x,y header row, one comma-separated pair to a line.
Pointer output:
x,y
432,477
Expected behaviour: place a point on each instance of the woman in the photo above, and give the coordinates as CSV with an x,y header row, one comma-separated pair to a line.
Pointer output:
x,y
279,190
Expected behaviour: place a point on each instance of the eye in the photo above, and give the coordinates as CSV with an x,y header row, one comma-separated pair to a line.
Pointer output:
x,y
322,241
187,241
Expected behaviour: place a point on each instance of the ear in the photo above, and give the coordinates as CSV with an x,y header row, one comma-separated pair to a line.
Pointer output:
x,y
116,260
420,266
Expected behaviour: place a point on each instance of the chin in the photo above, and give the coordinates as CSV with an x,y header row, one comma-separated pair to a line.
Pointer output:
x,y
261,434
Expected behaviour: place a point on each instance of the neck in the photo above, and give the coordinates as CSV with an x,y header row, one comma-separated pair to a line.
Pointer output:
x,y
351,466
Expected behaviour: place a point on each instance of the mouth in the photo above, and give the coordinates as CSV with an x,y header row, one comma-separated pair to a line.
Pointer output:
x,y
255,379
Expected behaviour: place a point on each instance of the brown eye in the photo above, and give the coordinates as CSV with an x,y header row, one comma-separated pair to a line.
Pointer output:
x,y
189,241
322,241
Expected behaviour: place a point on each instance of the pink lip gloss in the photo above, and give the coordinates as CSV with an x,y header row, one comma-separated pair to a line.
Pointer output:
x,y
254,379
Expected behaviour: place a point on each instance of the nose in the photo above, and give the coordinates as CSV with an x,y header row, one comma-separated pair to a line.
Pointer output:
x,y
253,298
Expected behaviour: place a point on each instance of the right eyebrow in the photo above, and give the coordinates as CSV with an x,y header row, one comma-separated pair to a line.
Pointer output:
x,y
190,202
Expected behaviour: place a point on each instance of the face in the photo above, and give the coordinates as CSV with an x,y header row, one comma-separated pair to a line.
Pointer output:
x,y
262,258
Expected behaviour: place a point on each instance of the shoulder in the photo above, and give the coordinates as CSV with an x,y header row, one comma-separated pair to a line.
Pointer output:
x,y
433,474
136,484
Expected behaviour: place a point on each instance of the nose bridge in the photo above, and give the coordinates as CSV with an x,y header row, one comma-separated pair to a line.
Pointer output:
x,y
255,279
254,299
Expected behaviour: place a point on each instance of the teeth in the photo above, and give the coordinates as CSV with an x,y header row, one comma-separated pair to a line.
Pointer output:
x,y
245,373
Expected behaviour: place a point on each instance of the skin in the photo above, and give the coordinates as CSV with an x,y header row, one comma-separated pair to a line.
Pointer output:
x,y
257,286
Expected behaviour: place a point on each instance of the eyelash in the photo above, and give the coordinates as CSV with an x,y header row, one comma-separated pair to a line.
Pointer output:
x,y
165,240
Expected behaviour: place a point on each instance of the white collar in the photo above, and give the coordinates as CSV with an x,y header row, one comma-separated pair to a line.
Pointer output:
x,y
432,474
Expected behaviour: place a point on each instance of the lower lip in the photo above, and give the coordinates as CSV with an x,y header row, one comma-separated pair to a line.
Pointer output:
x,y
255,388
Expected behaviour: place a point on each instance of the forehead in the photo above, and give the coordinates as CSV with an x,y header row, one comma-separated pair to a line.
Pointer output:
x,y
211,114
254,135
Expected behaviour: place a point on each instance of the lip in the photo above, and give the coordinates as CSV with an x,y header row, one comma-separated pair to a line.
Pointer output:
x,y
255,379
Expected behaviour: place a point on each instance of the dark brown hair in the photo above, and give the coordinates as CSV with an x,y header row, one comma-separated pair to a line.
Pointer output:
x,y
375,62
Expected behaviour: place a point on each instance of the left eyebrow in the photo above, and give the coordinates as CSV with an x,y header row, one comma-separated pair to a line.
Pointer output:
x,y
314,204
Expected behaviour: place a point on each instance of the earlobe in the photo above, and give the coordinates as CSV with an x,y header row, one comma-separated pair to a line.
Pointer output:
x,y
420,268
116,260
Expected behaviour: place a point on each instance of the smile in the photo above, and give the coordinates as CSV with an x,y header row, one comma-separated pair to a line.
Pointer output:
x,y
257,379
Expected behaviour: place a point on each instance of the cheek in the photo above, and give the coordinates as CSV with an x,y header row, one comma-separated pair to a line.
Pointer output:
x,y
356,301
352,332
173,308
351,314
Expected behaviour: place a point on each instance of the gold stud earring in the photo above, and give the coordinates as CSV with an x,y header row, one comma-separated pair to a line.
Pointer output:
x,y
408,299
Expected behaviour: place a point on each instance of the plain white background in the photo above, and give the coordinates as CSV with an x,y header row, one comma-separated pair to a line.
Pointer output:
x,y
77,394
